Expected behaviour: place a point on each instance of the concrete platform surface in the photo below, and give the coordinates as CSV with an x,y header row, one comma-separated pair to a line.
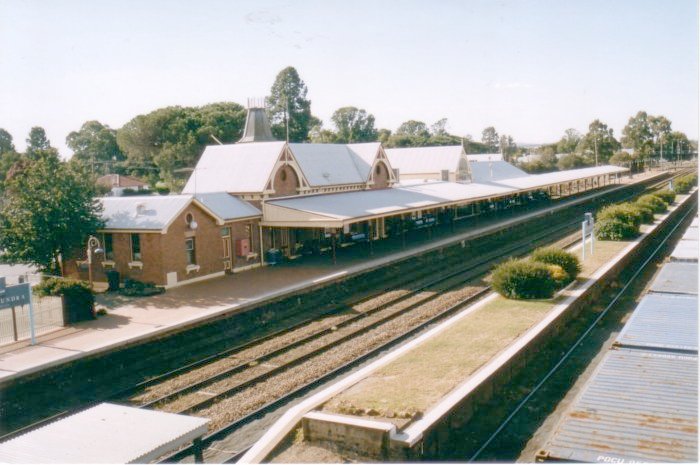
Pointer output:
x,y
133,320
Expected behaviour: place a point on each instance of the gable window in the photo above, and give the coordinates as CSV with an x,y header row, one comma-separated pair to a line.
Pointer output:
x,y
108,242
190,251
378,169
135,247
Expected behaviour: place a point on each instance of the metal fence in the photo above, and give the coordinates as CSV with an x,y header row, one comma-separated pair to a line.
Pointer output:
x,y
15,322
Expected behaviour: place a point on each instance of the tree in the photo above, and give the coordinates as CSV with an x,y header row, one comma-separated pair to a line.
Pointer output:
x,y
287,103
158,143
677,146
572,161
38,145
508,147
318,135
568,143
660,127
6,144
489,137
638,135
95,145
413,128
354,125
383,136
439,128
599,139
48,212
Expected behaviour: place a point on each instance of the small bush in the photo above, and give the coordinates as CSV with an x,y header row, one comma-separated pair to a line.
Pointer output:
x,y
78,297
646,213
523,279
666,195
554,256
655,203
624,212
136,288
613,229
684,184
560,277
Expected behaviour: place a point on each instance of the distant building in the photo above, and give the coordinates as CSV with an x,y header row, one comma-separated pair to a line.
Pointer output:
x,y
117,183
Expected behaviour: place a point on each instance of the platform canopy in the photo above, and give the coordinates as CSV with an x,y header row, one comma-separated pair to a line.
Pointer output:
x,y
107,433
338,210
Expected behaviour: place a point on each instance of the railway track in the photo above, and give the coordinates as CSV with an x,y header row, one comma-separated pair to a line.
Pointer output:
x,y
232,406
321,335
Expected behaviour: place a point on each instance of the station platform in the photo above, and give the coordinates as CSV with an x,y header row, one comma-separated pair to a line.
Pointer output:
x,y
131,321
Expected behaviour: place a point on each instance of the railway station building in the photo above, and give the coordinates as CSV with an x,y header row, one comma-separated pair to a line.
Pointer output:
x,y
260,201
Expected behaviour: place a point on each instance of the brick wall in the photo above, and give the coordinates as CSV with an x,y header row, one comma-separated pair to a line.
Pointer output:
x,y
381,176
285,182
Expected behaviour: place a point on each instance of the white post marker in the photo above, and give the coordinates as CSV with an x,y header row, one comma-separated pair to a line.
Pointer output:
x,y
587,230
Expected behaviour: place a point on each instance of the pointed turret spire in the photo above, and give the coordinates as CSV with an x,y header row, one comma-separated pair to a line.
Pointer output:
x,y
257,126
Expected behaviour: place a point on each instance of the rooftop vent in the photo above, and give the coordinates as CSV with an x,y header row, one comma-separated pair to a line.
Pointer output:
x,y
140,209
257,126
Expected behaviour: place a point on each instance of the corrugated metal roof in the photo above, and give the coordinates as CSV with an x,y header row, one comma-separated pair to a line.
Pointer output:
x,y
637,406
107,433
676,278
226,206
156,211
358,204
484,157
685,251
663,321
490,171
691,234
234,168
257,127
539,180
425,160
330,164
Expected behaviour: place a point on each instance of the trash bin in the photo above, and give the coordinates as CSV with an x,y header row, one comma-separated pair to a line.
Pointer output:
x,y
113,280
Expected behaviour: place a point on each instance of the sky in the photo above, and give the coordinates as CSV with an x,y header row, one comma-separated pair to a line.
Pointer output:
x,y
530,68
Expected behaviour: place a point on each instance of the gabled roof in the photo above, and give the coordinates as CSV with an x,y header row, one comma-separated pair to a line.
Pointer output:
x,y
424,160
234,168
334,164
157,212
489,171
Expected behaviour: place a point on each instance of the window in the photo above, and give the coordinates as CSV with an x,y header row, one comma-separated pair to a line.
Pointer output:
x,y
378,169
109,246
283,175
225,232
135,248
190,251
188,219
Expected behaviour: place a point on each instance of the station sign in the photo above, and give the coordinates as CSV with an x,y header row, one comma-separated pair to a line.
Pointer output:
x,y
14,296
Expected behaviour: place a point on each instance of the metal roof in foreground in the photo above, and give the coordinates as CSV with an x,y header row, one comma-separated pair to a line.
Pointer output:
x,y
638,406
663,321
676,278
106,433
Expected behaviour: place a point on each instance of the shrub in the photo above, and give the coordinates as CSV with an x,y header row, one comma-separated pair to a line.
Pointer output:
x,y
560,277
136,288
79,299
624,212
554,256
684,184
523,279
646,213
666,195
613,229
654,202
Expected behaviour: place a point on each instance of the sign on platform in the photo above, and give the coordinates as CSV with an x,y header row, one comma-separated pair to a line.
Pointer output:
x,y
17,296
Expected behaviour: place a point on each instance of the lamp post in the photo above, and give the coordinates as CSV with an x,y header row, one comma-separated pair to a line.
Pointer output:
x,y
92,242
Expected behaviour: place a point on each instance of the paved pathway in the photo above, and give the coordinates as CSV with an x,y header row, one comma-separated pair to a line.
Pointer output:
x,y
139,319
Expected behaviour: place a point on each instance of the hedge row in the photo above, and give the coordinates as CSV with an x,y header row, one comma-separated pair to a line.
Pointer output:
x,y
685,183
538,277
621,221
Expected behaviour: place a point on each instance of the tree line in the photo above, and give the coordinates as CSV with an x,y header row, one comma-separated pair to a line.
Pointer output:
x,y
645,136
